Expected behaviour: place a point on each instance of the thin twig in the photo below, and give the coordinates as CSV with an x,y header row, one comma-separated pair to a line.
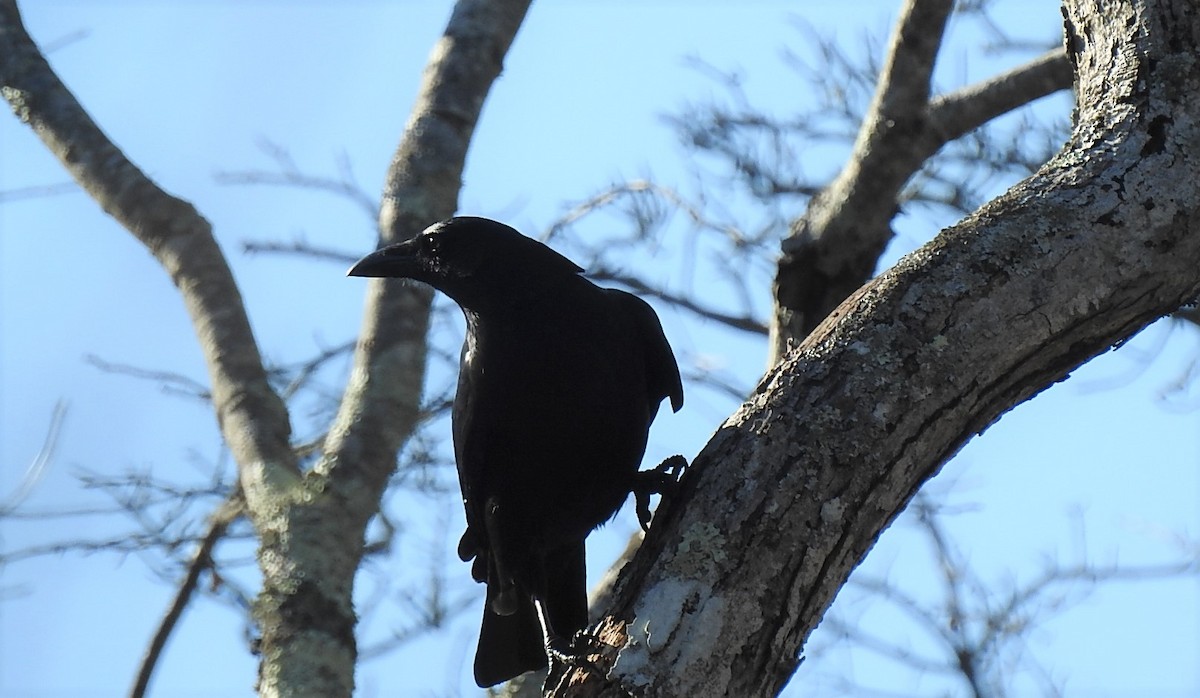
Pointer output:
x,y
300,249
171,381
226,514
38,191
41,462
737,322
289,174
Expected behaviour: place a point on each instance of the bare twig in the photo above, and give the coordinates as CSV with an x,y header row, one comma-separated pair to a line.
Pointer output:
x,y
635,283
41,462
230,510
977,624
302,372
299,248
288,174
172,382
39,191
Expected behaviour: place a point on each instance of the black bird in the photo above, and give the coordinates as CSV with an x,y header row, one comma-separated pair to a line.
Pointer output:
x,y
559,382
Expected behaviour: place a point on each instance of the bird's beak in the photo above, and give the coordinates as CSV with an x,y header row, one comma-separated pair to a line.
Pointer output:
x,y
399,261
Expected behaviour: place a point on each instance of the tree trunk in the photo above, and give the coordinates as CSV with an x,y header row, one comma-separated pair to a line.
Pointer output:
x,y
797,485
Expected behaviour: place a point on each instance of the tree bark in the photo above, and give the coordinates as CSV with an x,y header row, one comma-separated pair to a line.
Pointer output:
x,y
834,247
310,524
312,548
796,486
253,419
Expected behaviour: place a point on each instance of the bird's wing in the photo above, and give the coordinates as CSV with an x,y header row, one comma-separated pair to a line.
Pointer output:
x,y
662,372
470,464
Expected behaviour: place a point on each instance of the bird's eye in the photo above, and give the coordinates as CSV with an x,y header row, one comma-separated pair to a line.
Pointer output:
x,y
430,242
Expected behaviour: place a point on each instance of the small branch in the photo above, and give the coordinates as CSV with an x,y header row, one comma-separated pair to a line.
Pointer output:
x,y
641,188
253,419
162,513
38,191
737,322
300,249
289,175
41,462
954,114
228,512
884,648
305,370
171,381
977,625
723,385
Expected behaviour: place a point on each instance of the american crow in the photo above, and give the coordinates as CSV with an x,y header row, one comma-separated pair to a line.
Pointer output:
x,y
558,384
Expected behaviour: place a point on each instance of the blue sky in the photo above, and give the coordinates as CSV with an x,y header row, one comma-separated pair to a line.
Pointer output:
x,y
188,89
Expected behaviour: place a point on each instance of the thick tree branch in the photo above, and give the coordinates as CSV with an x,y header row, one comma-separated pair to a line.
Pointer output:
x,y
310,525
833,248
382,402
305,610
798,483
953,115
253,419
908,69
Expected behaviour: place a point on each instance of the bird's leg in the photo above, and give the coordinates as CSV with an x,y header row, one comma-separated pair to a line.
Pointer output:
x,y
662,481
504,601
558,648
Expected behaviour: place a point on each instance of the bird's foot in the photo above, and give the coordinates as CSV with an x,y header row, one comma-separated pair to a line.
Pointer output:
x,y
662,480
571,654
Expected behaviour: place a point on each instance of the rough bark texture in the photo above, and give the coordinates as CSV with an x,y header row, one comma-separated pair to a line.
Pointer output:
x,y
253,419
311,549
310,525
833,248
796,486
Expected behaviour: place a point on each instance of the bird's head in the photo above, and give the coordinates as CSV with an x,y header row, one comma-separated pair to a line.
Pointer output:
x,y
472,260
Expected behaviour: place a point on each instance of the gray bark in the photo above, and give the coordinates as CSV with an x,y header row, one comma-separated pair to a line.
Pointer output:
x,y
833,248
311,548
796,486
310,524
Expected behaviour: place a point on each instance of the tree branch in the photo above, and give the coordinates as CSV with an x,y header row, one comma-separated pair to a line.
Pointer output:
x,y
381,404
633,283
300,249
228,512
253,419
908,69
977,628
170,380
41,462
795,486
833,248
289,175
953,115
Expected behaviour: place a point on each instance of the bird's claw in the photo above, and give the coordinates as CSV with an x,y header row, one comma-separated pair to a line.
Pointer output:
x,y
662,480
571,655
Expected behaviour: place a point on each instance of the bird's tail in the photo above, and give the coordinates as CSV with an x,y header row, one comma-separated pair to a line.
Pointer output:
x,y
514,644
508,645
